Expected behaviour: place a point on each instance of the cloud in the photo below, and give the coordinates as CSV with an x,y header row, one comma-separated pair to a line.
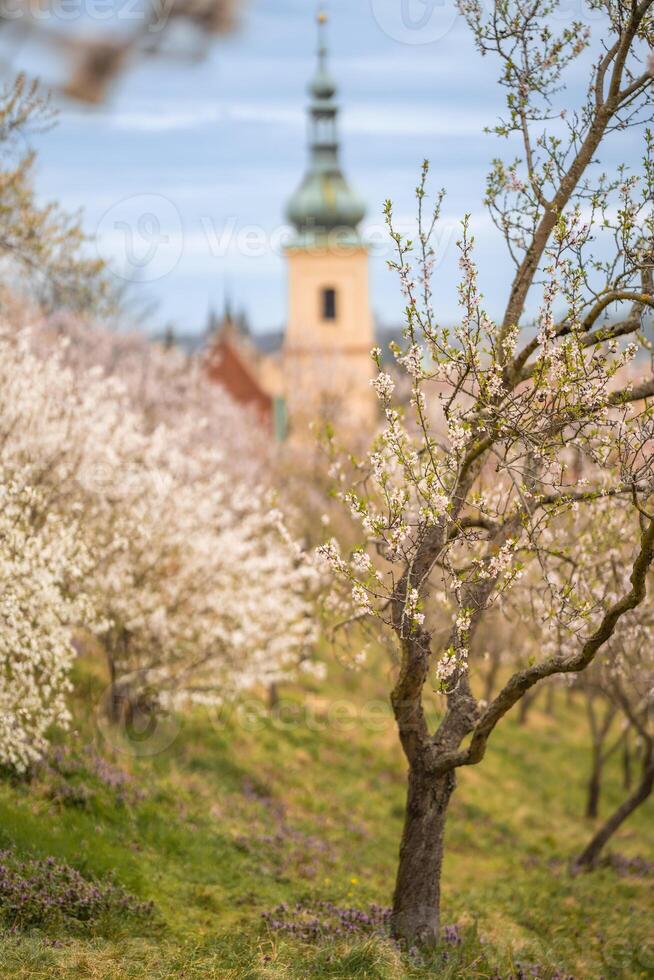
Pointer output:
x,y
412,120
360,118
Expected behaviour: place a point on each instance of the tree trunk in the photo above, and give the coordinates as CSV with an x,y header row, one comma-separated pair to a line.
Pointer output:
x,y
589,857
113,699
118,696
626,763
526,701
550,700
491,677
594,788
600,728
416,902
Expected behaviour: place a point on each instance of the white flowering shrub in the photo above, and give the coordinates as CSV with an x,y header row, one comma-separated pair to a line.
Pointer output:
x,y
42,562
145,533
167,387
206,594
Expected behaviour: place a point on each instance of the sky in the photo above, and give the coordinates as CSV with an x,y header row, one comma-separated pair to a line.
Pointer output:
x,y
184,174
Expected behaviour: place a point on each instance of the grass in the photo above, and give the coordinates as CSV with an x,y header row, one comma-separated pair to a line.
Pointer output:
x,y
243,811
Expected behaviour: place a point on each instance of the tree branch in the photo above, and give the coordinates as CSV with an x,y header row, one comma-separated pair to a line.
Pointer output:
x,y
523,680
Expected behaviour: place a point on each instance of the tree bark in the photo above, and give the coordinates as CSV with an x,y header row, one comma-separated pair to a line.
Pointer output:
x,y
526,702
589,857
491,677
600,728
594,790
626,763
113,697
550,701
416,902
273,696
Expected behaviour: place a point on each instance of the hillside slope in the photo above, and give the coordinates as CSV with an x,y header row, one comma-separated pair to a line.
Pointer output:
x,y
244,811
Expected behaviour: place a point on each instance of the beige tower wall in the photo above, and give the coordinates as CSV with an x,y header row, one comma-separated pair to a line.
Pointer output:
x,y
327,364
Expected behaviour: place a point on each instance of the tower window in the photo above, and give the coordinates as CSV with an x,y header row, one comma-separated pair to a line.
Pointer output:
x,y
329,304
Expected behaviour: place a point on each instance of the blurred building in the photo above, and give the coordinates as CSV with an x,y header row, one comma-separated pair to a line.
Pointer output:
x,y
320,367
233,361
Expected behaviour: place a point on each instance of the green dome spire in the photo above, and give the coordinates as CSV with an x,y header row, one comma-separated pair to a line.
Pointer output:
x,y
324,202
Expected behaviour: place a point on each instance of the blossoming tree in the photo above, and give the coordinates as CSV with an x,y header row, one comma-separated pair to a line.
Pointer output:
x,y
191,487
41,563
139,530
43,250
624,677
474,490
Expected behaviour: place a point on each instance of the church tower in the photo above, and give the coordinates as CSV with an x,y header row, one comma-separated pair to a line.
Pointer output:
x,y
329,335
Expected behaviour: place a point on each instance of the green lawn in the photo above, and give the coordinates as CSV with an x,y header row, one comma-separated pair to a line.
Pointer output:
x,y
245,811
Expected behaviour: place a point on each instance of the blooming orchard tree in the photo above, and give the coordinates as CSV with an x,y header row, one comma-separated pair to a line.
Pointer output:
x,y
42,561
624,678
474,490
179,605
42,248
207,596
197,591
601,713
166,387
607,736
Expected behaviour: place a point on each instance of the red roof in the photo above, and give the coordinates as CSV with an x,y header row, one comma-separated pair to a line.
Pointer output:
x,y
226,366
